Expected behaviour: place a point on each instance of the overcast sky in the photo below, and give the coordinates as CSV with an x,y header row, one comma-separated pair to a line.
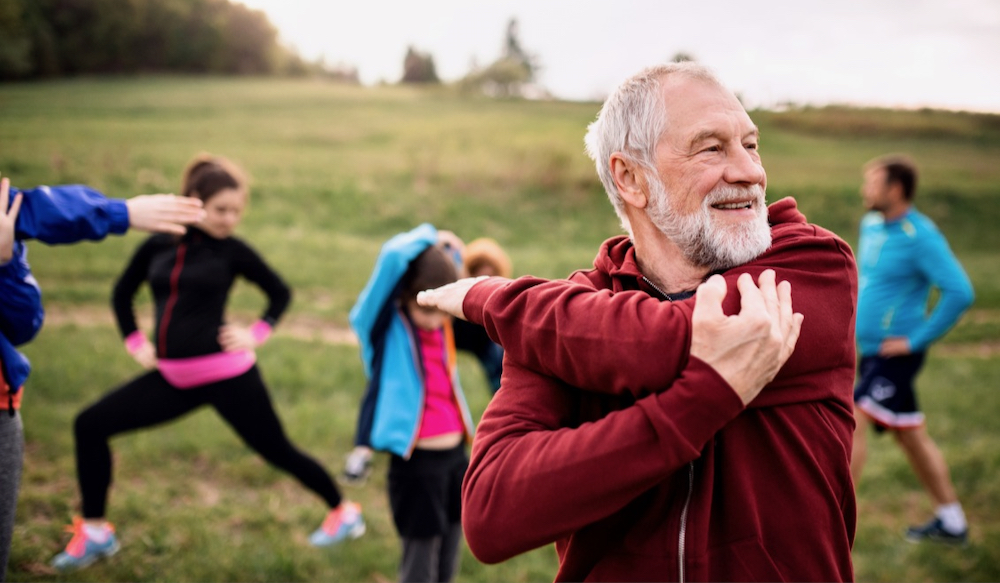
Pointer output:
x,y
895,53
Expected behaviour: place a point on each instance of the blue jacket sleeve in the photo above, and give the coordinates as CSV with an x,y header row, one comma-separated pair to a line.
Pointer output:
x,y
21,315
940,266
67,214
391,265
21,312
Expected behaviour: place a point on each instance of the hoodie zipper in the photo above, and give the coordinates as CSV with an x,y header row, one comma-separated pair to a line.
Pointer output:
x,y
682,536
682,532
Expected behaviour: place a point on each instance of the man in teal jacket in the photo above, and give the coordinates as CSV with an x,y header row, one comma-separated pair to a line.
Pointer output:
x,y
902,256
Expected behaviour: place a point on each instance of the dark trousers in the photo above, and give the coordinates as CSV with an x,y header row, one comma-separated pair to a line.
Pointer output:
x,y
149,400
425,495
11,461
432,559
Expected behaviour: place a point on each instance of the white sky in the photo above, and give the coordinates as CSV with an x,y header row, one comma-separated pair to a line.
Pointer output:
x,y
894,53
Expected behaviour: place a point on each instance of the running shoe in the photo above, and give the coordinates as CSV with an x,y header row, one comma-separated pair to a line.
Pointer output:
x,y
935,531
358,466
341,523
83,550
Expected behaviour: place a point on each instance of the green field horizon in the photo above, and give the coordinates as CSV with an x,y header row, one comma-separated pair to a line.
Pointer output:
x,y
338,169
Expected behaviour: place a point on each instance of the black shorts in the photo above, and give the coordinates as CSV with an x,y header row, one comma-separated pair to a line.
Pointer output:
x,y
425,492
885,391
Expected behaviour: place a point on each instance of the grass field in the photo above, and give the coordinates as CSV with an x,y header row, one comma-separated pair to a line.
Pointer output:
x,y
337,170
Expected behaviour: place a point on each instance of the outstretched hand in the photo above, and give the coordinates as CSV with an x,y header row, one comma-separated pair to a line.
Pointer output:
x,y
163,213
749,348
8,220
449,298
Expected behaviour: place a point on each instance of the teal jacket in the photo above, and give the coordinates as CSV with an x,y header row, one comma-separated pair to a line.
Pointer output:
x,y
393,405
899,262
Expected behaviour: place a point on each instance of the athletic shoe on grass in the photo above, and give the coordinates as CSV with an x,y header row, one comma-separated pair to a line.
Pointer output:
x,y
341,523
357,467
83,550
935,531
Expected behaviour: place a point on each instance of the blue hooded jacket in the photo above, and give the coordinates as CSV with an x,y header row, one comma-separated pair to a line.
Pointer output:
x,y
393,404
53,215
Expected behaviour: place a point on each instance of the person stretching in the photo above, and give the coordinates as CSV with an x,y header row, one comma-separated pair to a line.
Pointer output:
x,y
197,359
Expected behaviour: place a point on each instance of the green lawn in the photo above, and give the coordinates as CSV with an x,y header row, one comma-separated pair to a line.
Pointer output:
x,y
338,169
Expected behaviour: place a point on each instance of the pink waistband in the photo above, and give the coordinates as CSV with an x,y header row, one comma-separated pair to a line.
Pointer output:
x,y
187,373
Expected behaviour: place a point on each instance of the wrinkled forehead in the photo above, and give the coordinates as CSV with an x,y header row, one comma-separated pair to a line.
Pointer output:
x,y
696,107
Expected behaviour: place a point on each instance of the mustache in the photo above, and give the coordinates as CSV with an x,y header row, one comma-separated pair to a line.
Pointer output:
x,y
730,192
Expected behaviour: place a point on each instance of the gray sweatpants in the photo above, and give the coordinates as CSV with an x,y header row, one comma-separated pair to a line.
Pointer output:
x,y
433,559
11,459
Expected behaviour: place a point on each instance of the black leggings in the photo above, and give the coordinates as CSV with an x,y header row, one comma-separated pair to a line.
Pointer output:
x,y
149,400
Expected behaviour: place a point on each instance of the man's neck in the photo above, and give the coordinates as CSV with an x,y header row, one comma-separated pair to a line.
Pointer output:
x,y
896,211
666,268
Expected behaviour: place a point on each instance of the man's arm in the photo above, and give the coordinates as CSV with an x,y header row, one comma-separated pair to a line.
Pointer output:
x,y
530,451
71,213
630,342
940,266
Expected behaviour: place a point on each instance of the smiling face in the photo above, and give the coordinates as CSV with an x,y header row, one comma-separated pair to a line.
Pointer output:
x,y
223,212
707,196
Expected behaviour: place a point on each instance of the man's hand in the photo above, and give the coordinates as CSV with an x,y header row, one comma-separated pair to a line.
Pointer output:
x,y
233,337
749,348
8,221
449,298
894,346
163,213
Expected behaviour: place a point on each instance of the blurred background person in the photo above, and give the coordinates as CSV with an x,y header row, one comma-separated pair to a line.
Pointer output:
x,y
197,359
53,215
414,407
902,257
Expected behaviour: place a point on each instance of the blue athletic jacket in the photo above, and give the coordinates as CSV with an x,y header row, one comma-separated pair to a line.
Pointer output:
x,y
899,262
394,399
53,215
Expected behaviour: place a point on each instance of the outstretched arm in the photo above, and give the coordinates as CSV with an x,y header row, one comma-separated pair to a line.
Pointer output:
x,y
71,213
631,342
531,449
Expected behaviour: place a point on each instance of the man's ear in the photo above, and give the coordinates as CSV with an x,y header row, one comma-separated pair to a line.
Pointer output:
x,y
630,180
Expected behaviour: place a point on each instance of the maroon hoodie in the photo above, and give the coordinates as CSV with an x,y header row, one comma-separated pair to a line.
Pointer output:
x,y
640,462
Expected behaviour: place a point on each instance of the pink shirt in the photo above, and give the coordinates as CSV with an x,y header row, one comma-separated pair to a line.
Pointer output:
x,y
441,412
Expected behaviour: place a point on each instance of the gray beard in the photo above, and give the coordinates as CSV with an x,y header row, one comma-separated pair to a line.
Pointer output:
x,y
703,243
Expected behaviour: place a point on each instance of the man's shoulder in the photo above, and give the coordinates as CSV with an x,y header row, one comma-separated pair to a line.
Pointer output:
x,y
920,224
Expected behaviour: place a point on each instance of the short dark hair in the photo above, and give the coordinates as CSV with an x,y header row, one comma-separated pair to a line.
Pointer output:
x,y
899,169
432,268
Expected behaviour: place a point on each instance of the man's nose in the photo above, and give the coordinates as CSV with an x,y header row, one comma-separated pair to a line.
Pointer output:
x,y
744,168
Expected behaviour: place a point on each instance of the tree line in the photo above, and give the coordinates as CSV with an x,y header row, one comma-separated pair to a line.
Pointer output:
x,y
48,38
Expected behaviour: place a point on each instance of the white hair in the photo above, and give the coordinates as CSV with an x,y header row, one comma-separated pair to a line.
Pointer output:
x,y
631,121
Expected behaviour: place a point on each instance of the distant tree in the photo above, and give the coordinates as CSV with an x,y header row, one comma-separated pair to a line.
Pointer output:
x,y
15,40
67,37
418,67
509,75
681,57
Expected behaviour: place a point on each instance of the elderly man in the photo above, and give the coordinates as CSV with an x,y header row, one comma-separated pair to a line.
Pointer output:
x,y
621,433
